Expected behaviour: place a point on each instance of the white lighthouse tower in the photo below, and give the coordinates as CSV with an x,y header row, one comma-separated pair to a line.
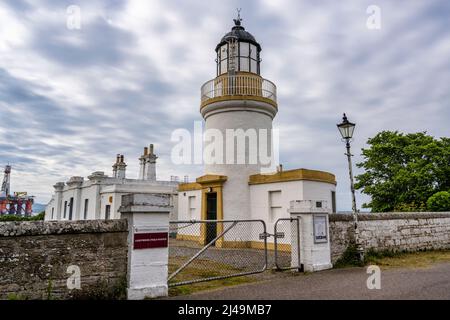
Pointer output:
x,y
241,105
238,107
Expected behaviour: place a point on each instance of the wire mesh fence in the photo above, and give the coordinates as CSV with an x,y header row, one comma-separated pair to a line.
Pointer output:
x,y
285,234
216,249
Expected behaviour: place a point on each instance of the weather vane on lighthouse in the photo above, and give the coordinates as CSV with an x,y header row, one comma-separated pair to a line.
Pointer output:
x,y
238,20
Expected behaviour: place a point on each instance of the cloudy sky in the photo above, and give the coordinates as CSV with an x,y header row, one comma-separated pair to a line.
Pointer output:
x,y
70,99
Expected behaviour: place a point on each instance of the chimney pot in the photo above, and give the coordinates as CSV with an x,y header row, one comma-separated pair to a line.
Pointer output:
x,y
145,151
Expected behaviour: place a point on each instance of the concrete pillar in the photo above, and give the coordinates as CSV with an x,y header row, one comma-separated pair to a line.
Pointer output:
x,y
59,187
315,253
148,253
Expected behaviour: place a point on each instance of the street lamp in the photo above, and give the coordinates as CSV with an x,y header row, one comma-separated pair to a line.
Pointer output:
x,y
346,128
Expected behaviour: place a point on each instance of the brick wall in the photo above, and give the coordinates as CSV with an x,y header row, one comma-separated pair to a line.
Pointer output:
x,y
35,255
391,231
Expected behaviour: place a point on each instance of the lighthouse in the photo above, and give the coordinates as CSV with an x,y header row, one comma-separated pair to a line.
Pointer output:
x,y
239,180
241,105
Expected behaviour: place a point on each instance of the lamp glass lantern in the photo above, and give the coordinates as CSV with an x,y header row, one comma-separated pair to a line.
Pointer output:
x,y
346,128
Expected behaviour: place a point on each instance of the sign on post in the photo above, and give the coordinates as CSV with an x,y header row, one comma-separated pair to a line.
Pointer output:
x,y
151,240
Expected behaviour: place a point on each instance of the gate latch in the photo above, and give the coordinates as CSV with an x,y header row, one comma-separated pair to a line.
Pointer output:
x,y
279,235
264,235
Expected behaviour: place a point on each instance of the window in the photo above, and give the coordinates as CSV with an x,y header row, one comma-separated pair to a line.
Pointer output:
x,y
65,209
191,204
70,208
244,64
275,205
107,212
253,52
333,201
53,212
86,205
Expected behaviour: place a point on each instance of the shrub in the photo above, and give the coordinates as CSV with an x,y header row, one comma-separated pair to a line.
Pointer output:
x,y
13,217
439,201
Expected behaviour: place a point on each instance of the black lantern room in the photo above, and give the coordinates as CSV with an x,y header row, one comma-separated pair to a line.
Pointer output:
x,y
238,51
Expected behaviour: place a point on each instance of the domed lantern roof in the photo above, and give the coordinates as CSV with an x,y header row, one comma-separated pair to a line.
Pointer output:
x,y
238,51
238,32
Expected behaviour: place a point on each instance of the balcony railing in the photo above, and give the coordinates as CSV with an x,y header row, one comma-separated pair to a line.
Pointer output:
x,y
239,85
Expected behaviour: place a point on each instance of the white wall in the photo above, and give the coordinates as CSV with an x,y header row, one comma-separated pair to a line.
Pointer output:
x,y
290,190
184,212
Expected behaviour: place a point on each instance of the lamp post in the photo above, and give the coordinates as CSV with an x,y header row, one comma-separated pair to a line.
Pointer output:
x,y
346,128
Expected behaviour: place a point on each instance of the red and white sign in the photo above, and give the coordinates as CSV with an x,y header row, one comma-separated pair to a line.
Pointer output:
x,y
151,240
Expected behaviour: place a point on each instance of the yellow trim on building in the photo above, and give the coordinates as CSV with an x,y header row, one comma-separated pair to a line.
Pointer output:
x,y
211,183
189,186
187,237
238,97
293,175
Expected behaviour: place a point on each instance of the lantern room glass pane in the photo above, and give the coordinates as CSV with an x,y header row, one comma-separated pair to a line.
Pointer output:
x,y
223,66
224,52
244,66
253,66
244,49
253,51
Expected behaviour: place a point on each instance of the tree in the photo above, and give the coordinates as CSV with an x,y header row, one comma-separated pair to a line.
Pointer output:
x,y
403,170
439,201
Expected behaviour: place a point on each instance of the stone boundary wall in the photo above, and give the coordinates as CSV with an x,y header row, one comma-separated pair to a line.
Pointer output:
x,y
399,231
35,255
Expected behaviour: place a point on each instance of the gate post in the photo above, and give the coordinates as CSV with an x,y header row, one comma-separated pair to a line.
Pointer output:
x,y
315,253
148,252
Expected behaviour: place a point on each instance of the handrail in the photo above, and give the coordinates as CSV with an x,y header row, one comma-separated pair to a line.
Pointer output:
x,y
238,85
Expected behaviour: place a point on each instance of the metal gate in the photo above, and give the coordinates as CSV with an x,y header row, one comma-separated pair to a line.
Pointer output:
x,y
204,250
286,233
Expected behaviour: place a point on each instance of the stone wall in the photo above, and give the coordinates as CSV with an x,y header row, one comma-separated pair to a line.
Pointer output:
x,y
35,255
391,231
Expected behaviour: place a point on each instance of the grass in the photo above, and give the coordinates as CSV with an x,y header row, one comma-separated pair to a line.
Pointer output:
x,y
420,259
393,259
201,269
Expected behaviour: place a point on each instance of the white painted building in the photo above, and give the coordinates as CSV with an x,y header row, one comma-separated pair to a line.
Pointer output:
x,y
240,99
99,197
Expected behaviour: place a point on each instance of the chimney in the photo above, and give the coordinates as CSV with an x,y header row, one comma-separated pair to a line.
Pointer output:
x,y
151,149
115,166
142,164
150,165
121,167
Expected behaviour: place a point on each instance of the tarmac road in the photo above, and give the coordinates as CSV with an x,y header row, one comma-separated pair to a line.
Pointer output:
x,y
396,283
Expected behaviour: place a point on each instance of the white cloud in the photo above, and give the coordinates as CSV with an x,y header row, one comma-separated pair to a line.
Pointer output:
x,y
133,73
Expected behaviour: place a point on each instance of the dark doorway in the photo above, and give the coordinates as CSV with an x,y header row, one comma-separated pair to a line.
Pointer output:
x,y
211,214
70,208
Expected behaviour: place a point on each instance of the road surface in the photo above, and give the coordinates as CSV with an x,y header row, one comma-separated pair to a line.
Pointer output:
x,y
351,283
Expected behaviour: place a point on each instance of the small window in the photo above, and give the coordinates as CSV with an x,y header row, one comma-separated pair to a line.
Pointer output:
x,y
191,204
318,204
107,212
86,205
275,205
333,201
65,209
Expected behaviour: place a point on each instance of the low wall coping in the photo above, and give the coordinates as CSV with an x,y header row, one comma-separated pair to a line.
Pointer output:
x,y
389,216
33,228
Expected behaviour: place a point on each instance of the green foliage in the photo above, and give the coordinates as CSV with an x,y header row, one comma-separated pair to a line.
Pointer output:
x,y
349,258
403,170
13,217
439,201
